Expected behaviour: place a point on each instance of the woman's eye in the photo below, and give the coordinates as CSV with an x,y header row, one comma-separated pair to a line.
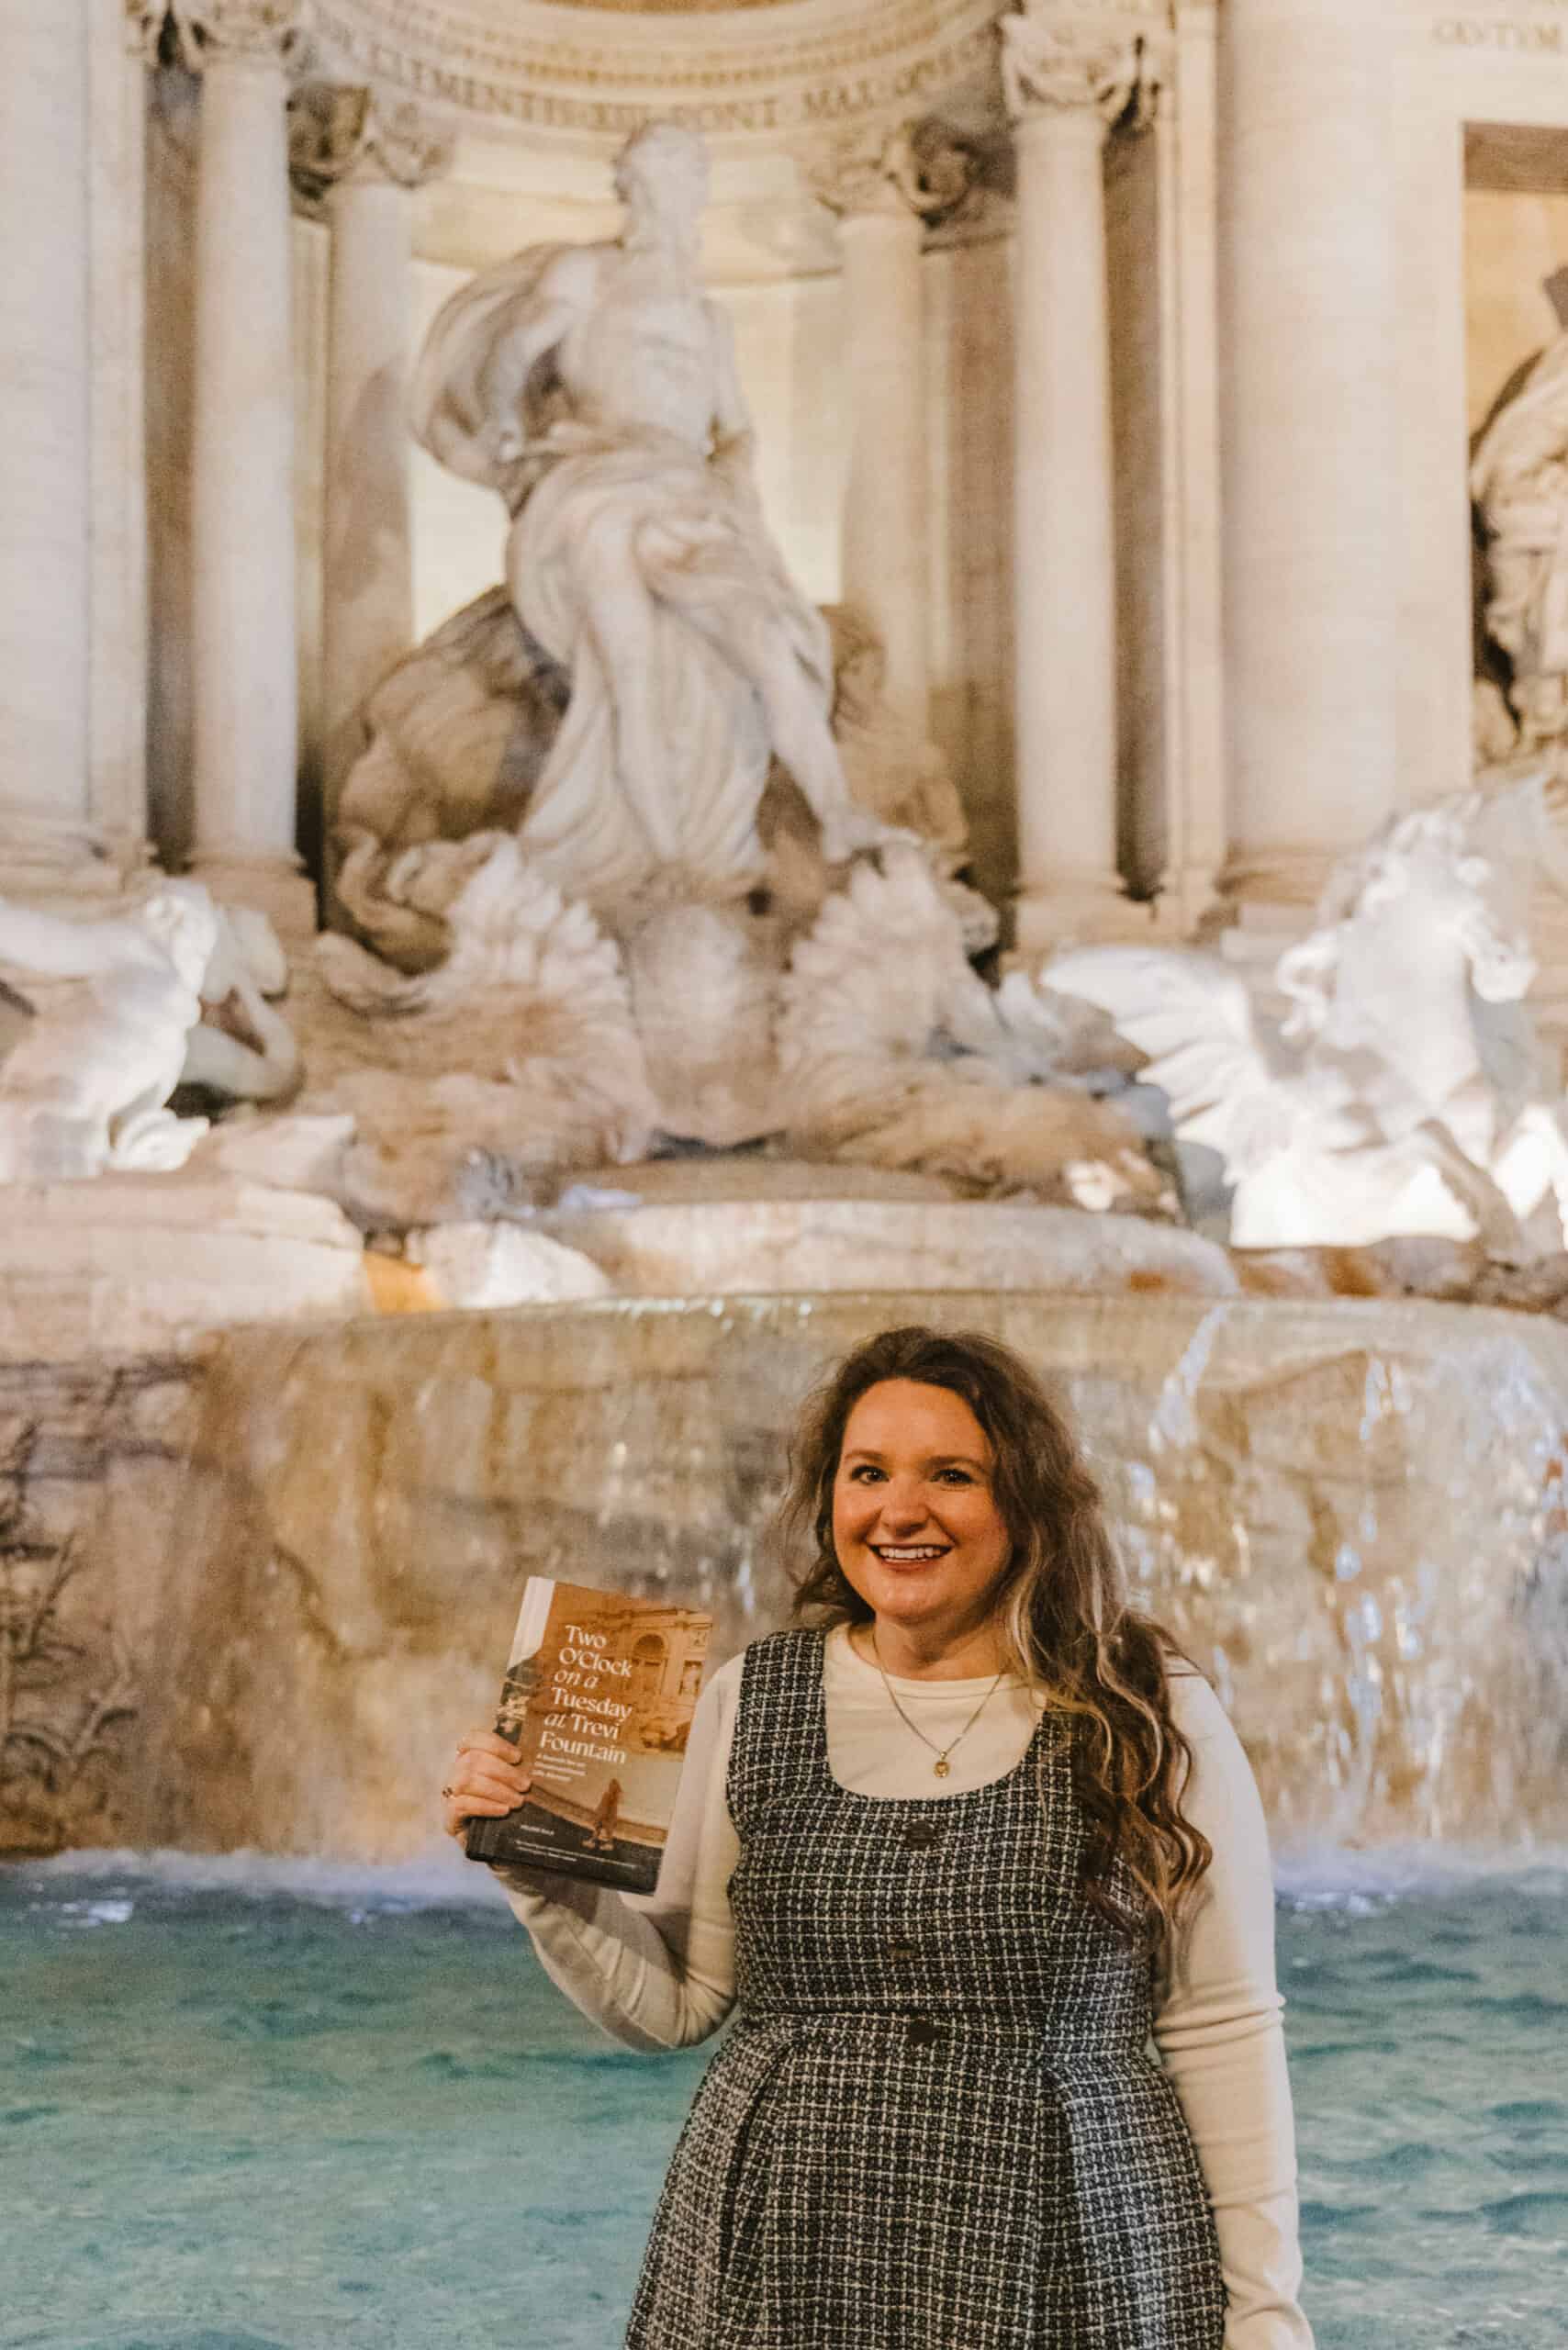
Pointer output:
x,y
957,1476
863,1472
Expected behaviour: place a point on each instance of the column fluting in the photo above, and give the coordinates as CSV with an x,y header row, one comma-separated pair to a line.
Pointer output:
x,y
245,653
885,190
1309,442
45,451
1064,90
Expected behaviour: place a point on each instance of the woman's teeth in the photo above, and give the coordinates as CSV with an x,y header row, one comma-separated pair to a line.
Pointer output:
x,y
902,1558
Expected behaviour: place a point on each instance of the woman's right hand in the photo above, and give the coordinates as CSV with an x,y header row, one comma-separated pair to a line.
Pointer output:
x,y
486,1782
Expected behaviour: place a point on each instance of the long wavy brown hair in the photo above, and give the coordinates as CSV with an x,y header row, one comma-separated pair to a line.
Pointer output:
x,y
1063,1614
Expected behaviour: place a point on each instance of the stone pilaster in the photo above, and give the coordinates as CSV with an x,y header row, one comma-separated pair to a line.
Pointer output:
x,y
884,189
1309,449
359,160
244,639
46,827
1068,80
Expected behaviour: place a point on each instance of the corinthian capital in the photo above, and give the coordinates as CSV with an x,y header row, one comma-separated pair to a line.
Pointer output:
x,y
268,30
919,168
339,132
1109,60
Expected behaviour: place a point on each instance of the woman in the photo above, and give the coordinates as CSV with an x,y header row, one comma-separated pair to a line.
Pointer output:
x,y
955,1850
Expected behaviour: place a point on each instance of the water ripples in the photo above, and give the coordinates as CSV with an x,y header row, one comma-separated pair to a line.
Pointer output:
x,y
258,2108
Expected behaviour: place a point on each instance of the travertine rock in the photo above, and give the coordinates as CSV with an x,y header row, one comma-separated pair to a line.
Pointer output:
x,y
753,1177
480,1265
92,1457
1449,1271
738,1248
287,1153
139,1264
1350,1513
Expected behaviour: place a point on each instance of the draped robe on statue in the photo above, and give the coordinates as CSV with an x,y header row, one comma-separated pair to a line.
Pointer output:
x,y
640,508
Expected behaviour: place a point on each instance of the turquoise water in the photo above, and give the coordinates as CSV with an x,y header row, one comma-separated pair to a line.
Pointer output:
x,y
244,2111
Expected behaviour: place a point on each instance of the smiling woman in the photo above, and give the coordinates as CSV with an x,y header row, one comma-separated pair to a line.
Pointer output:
x,y
917,1532
954,1849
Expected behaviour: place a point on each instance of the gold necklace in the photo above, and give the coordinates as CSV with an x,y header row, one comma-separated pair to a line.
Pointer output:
x,y
940,1767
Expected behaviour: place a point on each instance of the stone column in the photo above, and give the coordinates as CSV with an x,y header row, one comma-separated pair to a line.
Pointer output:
x,y
358,162
885,191
1200,837
1066,83
45,449
118,591
244,646
1309,449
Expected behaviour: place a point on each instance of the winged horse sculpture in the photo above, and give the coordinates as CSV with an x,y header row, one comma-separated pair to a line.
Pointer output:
x,y
1389,1082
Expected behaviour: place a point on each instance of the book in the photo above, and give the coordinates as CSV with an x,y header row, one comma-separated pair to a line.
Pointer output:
x,y
599,1696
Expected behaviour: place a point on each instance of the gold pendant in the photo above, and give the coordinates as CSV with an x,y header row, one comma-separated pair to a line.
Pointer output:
x,y
940,1766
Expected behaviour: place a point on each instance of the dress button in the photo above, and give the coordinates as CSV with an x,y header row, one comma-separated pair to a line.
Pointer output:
x,y
903,1949
924,2032
920,1834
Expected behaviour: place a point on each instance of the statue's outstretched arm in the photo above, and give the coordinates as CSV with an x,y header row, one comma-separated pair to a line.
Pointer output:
x,y
513,358
472,374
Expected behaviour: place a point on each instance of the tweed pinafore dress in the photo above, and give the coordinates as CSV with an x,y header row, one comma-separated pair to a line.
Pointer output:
x,y
931,2124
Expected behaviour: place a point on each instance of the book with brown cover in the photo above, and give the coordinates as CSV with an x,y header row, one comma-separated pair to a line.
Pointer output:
x,y
599,1696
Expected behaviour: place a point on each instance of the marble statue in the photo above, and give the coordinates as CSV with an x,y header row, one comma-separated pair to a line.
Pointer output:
x,y
1519,482
84,1087
941,1074
1400,1091
471,1084
169,989
540,1045
242,1048
594,387
461,728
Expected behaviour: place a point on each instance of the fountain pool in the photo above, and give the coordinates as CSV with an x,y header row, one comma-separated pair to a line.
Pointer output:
x,y
254,2105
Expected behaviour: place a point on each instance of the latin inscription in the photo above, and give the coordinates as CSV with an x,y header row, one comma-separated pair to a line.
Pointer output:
x,y
828,102
1499,34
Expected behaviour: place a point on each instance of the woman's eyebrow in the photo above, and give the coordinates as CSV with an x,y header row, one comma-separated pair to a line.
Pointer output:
x,y
928,1460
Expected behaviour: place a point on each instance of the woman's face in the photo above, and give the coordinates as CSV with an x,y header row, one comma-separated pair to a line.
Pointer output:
x,y
915,1521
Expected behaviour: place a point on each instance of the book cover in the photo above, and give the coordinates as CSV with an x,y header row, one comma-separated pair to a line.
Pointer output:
x,y
599,1696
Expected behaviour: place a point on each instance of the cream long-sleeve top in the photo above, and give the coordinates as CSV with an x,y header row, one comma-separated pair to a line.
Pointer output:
x,y
657,1970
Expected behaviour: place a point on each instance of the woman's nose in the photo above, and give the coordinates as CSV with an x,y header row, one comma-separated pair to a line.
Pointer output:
x,y
903,1506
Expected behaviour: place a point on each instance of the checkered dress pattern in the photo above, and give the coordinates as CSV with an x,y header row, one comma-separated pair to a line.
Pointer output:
x,y
931,2124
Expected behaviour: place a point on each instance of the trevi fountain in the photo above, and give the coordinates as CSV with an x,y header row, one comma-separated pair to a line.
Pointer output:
x,y
678,682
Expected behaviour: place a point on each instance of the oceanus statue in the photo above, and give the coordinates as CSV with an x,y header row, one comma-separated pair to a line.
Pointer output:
x,y
594,388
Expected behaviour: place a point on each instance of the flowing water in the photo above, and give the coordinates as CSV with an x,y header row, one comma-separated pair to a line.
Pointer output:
x,y
251,2107
1353,1513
